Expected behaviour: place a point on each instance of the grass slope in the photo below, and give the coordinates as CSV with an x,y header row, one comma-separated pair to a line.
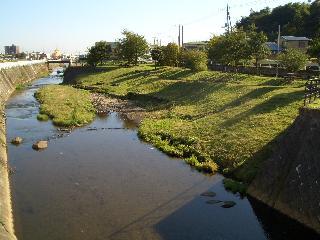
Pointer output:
x,y
66,106
206,117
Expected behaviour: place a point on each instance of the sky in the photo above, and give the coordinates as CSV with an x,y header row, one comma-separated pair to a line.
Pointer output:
x,y
74,25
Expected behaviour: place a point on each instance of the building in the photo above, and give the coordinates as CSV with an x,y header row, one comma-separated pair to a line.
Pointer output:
x,y
273,47
56,54
200,46
11,50
292,42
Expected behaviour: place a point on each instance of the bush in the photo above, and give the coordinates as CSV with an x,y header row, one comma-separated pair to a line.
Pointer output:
x,y
42,117
195,60
234,186
293,60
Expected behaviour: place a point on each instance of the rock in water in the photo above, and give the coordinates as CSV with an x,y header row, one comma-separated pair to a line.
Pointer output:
x,y
228,204
40,145
17,140
213,201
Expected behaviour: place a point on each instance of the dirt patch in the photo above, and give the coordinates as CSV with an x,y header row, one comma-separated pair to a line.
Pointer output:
x,y
105,104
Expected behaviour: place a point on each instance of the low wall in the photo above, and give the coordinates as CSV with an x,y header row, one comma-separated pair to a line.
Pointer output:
x,y
289,180
9,79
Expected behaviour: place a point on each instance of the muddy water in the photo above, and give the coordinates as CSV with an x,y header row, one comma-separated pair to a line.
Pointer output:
x,y
102,182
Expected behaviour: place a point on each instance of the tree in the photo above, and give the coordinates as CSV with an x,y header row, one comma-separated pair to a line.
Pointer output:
x,y
216,49
157,56
132,46
257,46
294,19
195,60
229,49
293,60
314,49
99,53
22,55
171,55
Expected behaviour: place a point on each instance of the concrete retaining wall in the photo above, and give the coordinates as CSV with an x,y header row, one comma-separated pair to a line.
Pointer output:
x,y
9,79
289,180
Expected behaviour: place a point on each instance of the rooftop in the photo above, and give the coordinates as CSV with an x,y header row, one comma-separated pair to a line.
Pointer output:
x,y
293,38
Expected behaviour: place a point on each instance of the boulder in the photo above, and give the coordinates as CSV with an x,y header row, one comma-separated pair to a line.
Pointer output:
x,y
40,145
17,140
228,204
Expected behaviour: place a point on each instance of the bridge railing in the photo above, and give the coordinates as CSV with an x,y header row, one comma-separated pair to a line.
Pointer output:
x,y
6,65
312,91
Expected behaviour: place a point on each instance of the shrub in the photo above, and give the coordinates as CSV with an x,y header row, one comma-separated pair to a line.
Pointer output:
x,y
43,117
195,60
234,186
293,60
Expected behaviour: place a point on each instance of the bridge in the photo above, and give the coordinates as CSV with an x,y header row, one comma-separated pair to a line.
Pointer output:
x,y
59,61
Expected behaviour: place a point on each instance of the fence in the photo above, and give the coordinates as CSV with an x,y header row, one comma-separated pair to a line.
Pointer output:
x,y
264,71
312,90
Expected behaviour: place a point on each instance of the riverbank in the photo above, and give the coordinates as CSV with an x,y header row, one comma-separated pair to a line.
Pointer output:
x,y
9,79
228,119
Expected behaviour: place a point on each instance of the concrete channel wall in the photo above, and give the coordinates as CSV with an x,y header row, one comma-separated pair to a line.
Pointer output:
x,y
10,77
289,180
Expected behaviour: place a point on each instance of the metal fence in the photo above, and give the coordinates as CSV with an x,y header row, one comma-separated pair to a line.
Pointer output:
x,y
312,90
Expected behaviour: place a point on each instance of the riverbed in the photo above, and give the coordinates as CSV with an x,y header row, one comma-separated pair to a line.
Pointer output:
x,y
101,182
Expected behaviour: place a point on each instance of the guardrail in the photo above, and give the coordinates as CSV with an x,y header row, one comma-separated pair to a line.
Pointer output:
x,y
6,65
312,90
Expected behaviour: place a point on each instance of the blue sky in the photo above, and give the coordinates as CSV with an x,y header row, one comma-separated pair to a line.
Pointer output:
x,y
74,25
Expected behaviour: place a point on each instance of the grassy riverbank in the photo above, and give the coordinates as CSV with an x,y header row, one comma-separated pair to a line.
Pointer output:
x,y
207,118
66,106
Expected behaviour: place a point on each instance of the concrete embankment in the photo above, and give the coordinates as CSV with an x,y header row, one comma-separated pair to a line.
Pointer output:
x,y
9,79
289,180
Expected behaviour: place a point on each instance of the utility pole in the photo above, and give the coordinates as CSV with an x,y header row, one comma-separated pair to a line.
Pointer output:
x,y
179,37
279,36
182,37
228,24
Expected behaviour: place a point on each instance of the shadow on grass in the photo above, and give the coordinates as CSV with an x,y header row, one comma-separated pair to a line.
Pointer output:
x,y
256,93
71,74
277,101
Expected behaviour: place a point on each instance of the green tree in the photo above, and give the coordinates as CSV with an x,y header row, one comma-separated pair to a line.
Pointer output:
x,y
195,60
229,49
293,60
171,55
257,46
216,49
132,46
157,56
99,53
292,17
314,49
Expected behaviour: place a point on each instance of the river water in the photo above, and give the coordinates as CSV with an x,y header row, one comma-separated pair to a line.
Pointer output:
x,y
102,182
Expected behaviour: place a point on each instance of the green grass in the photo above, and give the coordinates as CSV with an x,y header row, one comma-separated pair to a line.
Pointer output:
x,y
42,117
232,118
66,106
22,86
234,186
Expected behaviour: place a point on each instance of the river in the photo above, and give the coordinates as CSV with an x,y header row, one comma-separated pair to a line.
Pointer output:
x,y
101,182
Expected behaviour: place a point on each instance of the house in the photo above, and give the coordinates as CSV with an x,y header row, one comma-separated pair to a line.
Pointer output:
x,y
200,46
292,42
273,47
